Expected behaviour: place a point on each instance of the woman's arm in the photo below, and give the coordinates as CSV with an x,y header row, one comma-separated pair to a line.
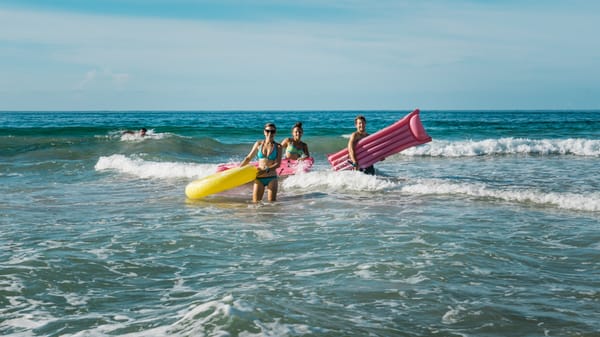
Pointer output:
x,y
251,154
284,145
306,150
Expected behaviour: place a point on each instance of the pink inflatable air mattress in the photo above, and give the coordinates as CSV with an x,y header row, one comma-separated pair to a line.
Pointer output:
x,y
287,167
399,136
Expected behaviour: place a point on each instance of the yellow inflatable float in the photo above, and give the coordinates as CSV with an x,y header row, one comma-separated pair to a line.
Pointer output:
x,y
220,181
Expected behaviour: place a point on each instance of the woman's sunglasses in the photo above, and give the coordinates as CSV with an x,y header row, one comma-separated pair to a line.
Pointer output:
x,y
269,130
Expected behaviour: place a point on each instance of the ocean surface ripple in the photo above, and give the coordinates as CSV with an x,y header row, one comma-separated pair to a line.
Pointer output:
x,y
489,230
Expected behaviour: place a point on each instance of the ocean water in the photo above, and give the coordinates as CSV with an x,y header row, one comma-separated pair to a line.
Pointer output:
x,y
492,229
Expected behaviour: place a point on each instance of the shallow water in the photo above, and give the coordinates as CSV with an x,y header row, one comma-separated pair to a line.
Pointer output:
x,y
491,229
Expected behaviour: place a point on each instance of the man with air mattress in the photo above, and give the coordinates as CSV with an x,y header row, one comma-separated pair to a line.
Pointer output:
x,y
361,125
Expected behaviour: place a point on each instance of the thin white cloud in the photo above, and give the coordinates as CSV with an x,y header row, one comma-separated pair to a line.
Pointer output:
x,y
120,79
94,77
89,77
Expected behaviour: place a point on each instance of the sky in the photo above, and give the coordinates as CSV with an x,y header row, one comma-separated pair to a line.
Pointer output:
x,y
299,55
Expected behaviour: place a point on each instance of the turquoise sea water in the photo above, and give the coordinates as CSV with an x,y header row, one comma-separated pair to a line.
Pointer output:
x,y
492,229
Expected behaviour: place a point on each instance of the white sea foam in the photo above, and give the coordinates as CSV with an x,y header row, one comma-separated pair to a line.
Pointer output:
x,y
151,169
28,321
355,181
2,174
507,146
75,299
197,321
313,271
571,201
23,256
363,271
213,318
11,284
453,316
264,234
277,328
415,279
331,180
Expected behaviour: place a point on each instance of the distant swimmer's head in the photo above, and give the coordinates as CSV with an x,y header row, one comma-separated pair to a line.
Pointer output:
x,y
143,132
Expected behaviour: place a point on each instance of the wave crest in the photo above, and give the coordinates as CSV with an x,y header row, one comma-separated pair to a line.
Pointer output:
x,y
507,146
571,201
337,181
150,169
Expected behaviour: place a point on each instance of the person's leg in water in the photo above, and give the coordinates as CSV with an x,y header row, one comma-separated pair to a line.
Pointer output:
x,y
369,170
270,183
272,189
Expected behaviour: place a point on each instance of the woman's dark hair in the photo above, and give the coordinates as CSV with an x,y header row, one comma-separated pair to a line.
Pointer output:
x,y
298,125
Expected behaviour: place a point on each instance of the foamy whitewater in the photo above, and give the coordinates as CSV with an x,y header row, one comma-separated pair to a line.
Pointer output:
x,y
491,229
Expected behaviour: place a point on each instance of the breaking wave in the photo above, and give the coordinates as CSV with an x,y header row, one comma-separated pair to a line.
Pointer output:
x,y
507,146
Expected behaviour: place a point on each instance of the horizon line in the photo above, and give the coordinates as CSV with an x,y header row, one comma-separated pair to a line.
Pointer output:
x,y
310,110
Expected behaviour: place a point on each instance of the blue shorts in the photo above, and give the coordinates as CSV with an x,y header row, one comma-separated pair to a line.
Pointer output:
x,y
266,180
